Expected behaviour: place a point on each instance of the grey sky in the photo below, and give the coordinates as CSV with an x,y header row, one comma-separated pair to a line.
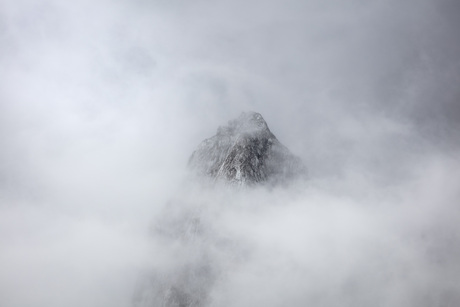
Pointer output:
x,y
102,102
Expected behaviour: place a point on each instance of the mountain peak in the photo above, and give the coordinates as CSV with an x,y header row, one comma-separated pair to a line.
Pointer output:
x,y
245,152
246,123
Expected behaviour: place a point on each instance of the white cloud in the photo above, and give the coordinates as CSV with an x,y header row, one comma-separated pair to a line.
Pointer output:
x,y
102,103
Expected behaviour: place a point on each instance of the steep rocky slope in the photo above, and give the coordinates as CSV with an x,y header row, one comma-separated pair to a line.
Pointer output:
x,y
246,152
243,153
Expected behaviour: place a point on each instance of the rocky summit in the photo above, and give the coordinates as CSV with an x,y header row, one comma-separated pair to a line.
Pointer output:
x,y
246,152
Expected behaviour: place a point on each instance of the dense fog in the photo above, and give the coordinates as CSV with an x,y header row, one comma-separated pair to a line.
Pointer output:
x,y
103,102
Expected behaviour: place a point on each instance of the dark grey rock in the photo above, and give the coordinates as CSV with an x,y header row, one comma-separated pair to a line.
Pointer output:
x,y
246,152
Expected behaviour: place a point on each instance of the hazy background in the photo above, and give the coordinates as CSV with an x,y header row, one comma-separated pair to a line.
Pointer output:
x,y
102,103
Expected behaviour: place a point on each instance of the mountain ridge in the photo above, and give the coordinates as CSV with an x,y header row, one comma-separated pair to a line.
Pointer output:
x,y
246,152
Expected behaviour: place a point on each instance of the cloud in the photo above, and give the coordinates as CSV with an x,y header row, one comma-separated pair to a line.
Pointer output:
x,y
102,103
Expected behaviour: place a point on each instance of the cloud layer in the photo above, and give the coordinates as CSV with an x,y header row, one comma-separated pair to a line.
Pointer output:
x,y
102,102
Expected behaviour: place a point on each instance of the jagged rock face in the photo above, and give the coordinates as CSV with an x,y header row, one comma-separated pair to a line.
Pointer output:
x,y
246,152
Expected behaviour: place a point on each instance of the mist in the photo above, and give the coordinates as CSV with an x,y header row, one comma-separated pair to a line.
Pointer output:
x,y
103,102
